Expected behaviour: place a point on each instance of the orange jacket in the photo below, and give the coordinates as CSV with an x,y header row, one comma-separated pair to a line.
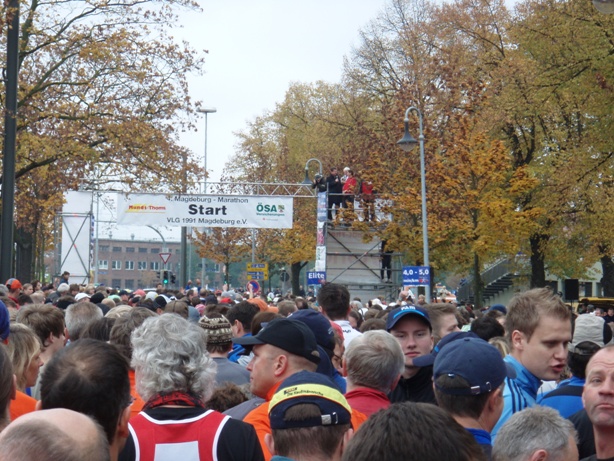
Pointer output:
x,y
138,403
22,404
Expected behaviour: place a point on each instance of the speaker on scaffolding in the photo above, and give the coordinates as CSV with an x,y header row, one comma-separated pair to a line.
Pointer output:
x,y
572,289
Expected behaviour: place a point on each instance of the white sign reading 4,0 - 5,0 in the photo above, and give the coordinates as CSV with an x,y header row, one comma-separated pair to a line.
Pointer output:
x,y
416,275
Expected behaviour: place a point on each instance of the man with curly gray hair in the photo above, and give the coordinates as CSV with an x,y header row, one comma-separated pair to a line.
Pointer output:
x,y
175,377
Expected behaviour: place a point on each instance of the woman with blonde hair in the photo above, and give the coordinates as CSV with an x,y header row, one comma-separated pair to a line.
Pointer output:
x,y
24,349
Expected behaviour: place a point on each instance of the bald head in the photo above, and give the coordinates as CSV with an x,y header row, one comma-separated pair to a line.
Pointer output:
x,y
48,435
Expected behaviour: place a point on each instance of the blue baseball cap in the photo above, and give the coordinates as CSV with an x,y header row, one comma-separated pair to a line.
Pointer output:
x,y
319,325
4,322
498,307
474,360
400,312
429,359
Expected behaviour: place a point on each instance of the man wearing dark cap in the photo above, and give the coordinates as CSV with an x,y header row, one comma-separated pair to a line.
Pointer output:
x,y
219,344
310,419
124,295
283,347
411,327
159,303
469,376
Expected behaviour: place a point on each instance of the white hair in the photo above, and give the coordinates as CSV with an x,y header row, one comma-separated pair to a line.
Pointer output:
x,y
374,360
532,429
169,354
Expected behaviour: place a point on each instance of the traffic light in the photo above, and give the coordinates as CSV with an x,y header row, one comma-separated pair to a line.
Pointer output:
x,y
173,278
158,275
165,277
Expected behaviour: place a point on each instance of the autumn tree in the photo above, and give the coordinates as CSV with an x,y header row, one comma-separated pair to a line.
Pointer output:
x,y
224,245
102,97
475,56
313,121
569,47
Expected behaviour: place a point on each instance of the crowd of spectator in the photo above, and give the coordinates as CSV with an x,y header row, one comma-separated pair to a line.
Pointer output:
x,y
94,373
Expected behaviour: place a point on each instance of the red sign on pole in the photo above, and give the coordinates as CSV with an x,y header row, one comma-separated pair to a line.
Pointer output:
x,y
255,286
165,257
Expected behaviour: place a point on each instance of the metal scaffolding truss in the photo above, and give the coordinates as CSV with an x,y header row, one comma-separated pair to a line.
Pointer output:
x,y
243,188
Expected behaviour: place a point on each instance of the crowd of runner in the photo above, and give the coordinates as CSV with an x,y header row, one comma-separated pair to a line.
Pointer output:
x,y
100,374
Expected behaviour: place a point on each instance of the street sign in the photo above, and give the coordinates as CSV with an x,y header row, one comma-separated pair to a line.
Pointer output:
x,y
416,275
256,266
259,270
256,275
316,278
255,286
165,257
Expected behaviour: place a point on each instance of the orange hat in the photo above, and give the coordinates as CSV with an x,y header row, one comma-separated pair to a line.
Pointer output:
x,y
13,284
261,303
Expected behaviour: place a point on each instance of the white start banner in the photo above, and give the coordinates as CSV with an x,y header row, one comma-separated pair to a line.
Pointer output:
x,y
264,212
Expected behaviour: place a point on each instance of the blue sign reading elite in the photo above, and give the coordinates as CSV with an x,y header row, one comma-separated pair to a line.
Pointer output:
x,y
316,278
416,275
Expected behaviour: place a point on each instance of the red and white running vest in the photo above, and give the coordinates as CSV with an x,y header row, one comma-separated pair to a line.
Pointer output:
x,y
192,439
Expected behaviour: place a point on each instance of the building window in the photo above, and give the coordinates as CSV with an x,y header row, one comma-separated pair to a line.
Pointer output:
x,y
129,265
117,249
116,265
154,266
103,248
142,250
103,264
142,265
129,284
155,250
129,249
116,283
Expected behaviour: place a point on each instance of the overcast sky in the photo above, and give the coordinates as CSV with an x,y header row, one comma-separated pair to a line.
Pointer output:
x,y
256,49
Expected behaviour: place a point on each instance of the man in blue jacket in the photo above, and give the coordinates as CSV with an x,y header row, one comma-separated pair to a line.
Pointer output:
x,y
538,328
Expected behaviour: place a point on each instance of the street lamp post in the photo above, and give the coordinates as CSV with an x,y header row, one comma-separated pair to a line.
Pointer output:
x,y
307,181
206,111
407,143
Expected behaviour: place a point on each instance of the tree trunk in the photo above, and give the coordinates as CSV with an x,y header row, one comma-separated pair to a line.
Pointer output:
x,y
227,273
538,264
478,284
607,281
25,243
295,276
